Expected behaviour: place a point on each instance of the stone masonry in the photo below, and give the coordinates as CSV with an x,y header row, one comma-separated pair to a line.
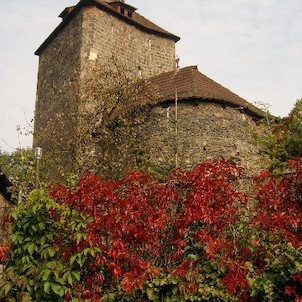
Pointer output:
x,y
106,38
211,121
58,66
204,130
90,35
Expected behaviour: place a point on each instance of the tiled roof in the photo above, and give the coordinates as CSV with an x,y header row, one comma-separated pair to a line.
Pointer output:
x,y
139,21
136,20
190,84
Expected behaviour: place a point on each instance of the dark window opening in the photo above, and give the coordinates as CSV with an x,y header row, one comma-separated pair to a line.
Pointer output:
x,y
165,105
129,14
122,10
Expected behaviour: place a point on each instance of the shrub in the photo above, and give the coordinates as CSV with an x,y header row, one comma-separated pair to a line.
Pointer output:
x,y
193,238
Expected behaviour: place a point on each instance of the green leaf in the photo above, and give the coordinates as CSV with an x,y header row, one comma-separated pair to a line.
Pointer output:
x,y
42,241
72,259
192,257
79,236
31,248
57,275
58,289
77,275
86,250
150,294
34,228
41,225
15,215
47,287
94,251
16,239
111,297
70,279
45,274
6,288
81,260
298,266
51,251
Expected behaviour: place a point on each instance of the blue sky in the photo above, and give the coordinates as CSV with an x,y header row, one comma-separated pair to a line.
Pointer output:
x,y
252,47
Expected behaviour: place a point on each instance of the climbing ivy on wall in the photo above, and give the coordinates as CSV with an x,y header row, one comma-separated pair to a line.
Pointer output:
x,y
84,136
193,238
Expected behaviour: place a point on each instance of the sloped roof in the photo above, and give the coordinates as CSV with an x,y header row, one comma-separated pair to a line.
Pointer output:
x,y
190,84
122,3
136,20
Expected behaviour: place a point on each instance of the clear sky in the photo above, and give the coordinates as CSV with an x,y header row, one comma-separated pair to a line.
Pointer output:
x,y
252,47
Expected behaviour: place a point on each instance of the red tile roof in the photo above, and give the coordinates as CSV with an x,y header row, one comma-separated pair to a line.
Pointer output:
x,y
136,20
191,84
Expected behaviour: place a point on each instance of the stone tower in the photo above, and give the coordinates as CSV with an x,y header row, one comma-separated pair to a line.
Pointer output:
x,y
181,118
92,32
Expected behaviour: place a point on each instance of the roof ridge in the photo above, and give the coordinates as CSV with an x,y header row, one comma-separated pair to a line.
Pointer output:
x,y
172,71
147,25
191,83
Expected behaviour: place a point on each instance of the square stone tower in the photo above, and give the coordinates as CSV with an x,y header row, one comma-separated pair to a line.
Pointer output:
x,y
92,32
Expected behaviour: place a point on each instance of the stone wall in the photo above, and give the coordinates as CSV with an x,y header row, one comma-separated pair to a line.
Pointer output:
x,y
57,93
58,65
93,37
203,131
107,38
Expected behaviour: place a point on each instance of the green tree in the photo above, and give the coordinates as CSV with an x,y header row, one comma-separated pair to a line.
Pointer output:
x,y
281,139
292,128
19,167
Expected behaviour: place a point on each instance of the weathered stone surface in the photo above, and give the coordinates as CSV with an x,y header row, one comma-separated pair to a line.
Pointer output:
x,y
107,38
202,130
58,66
93,37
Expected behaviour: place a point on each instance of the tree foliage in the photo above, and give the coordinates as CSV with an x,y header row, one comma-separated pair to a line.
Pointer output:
x,y
291,128
193,238
282,140
81,133
19,167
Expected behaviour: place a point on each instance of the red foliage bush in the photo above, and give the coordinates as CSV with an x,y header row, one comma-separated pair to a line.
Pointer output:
x,y
194,237
3,250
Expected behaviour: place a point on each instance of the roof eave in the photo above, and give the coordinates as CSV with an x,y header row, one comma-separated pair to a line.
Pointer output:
x,y
106,8
256,114
64,22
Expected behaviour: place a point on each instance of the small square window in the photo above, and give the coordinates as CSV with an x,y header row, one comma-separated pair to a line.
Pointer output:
x,y
129,14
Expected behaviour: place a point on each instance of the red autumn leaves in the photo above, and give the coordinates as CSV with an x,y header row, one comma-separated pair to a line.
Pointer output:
x,y
145,229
